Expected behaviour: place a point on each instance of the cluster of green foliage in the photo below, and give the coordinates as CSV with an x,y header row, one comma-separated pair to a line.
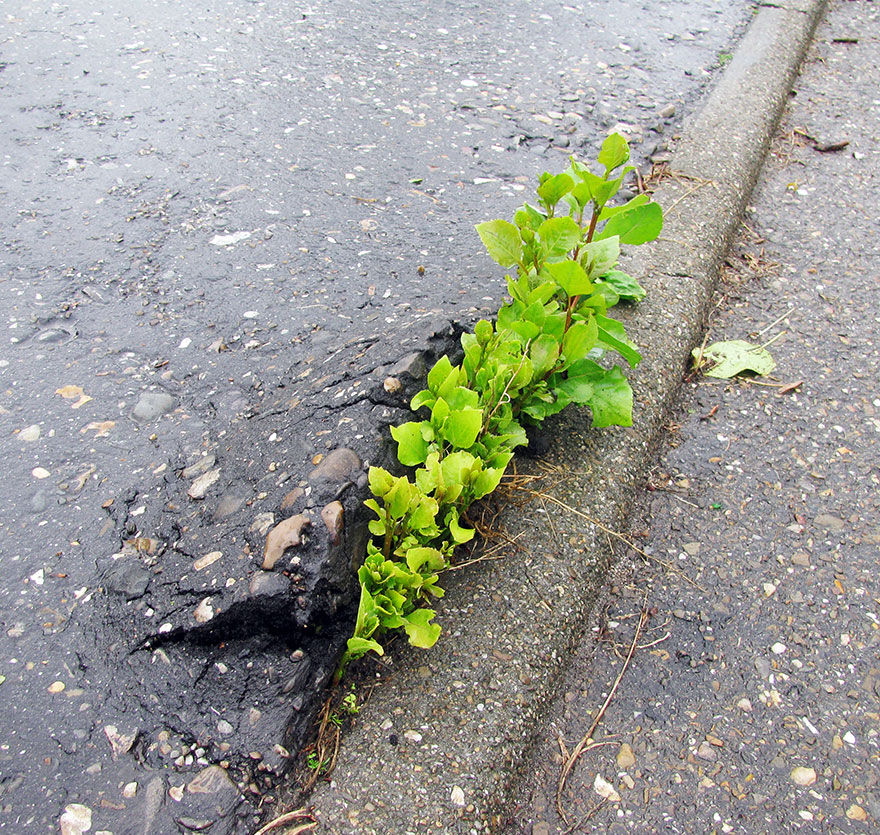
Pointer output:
x,y
539,356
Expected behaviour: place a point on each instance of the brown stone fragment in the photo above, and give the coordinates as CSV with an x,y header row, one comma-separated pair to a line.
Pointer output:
x,y
331,514
335,470
211,780
291,498
284,535
856,813
625,757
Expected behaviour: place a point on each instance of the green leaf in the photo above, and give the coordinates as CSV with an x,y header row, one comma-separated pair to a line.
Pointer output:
x,y
558,236
538,408
461,397
486,482
600,257
483,331
428,477
553,189
522,375
536,313
528,217
439,373
508,314
381,481
602,189
614,152
412,449
608,295
416,558
451,382
456,467
366,621
542,293
525,330
580,379
735,357
612,335
399,498
502,241
624,285
462,427
544,351
579,340
422,398
422,517
571,277
421,632
554,325
612,400
396,600
596,302
609,211
440,412
635,226
459,534
581,194
358,647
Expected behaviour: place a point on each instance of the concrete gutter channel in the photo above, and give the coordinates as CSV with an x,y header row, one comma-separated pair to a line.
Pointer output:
x,y
440,744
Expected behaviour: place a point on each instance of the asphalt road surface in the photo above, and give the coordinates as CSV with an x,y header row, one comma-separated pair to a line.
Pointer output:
x,y
223,226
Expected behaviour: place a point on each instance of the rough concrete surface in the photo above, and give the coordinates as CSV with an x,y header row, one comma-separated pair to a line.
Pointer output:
x,y
445,735
752,701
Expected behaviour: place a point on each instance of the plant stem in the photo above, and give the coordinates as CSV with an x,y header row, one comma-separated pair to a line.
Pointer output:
x,y
593,221
499,401
389,534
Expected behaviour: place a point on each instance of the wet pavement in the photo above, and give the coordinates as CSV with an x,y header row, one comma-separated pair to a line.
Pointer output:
x,y
751,701
224,227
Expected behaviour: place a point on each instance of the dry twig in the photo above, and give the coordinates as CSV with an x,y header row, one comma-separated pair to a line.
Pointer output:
x,y
326,744
586,817
587,742
290,817
627,542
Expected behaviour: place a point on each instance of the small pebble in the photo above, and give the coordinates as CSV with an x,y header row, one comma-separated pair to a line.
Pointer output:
x,y
803,776
30,433
856,813
625,757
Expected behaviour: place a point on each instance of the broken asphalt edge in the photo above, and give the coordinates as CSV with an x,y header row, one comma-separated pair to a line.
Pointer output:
x,y
441,743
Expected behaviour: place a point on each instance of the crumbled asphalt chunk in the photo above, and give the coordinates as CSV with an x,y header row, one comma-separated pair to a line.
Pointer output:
x,y
128,578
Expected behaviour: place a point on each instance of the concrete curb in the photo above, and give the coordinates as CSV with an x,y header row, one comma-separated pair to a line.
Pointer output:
x,y
440,744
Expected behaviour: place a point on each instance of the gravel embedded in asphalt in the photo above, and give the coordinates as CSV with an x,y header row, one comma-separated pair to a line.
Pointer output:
x,y
217,218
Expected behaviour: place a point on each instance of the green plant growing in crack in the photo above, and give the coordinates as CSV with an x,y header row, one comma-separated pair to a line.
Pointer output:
x,y
540,355
316,764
